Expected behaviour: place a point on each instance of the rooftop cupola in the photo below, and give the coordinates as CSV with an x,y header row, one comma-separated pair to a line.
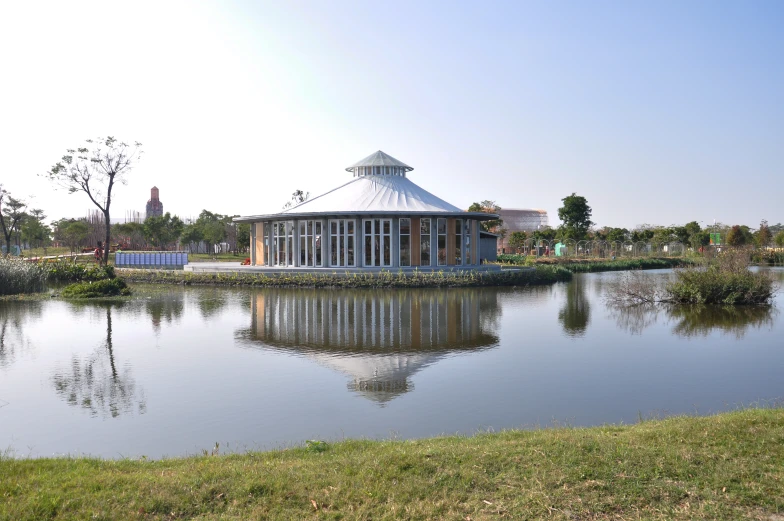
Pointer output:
x,y
379,163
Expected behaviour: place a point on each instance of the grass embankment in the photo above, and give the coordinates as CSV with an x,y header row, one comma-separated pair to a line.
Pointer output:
x,y
595,265
729,466
538,276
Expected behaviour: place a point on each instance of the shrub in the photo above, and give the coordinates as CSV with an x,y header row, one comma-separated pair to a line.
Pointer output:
x,y
511,258
96,289
725,279
713,285
19,276
65,271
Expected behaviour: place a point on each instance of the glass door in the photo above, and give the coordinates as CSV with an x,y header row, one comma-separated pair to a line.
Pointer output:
x,y
341,243
378,242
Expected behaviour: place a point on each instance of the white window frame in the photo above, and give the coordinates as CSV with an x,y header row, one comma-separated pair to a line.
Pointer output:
x,y
312,241
346,235
382,239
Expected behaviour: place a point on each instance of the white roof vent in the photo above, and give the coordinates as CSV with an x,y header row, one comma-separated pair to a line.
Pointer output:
x,y
379,163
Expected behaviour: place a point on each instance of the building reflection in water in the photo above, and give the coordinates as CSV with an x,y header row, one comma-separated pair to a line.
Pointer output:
x,y
379,338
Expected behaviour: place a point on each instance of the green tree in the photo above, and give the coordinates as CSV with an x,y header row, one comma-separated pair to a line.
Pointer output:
x,y
212,227
95,169
779,239
739,236
692,228
575,215
699,239
191,234
546,234
662,235
243,235
12,212
34,230
163,230
517,240
493,225
71,231
617,235
130,233
642,234
763,236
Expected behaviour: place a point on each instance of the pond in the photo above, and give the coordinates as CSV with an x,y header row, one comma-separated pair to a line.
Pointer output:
x,y
176,369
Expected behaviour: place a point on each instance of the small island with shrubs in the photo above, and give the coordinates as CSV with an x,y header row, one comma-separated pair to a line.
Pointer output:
x,y
18,277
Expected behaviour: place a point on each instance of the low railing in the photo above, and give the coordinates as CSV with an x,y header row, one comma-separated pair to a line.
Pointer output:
x,y
151,259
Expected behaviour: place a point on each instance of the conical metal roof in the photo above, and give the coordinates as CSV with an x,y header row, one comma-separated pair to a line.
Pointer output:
x,y
379,159
375,194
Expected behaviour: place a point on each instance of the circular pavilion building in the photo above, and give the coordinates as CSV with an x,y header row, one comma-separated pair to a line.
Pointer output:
x,y
379,219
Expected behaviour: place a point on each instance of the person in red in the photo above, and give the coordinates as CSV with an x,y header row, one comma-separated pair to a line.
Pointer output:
x,y
98,253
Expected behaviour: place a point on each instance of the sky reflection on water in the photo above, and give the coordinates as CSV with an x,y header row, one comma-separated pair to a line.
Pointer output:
x,y
176,369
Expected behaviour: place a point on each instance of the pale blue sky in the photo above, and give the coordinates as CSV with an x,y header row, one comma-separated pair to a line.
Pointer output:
x,y
658,112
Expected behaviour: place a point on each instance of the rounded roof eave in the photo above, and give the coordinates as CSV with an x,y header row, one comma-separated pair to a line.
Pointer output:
x,y
479,216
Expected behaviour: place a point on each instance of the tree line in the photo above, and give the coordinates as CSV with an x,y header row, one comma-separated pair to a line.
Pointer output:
x,y
25,227
576,224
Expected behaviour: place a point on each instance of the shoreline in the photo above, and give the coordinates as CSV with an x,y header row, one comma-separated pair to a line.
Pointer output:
x,y
725,466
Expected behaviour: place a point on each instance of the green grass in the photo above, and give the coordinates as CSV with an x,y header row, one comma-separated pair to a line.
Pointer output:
x,y
385,279
724,467
221,257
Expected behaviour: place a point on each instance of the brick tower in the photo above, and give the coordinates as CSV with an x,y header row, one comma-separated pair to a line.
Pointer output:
x,y
154,205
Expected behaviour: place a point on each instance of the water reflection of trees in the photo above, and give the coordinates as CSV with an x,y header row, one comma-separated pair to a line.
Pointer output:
x,y
211,301
702,320
168,309
12,339
97,384
576,312
697,320
379,338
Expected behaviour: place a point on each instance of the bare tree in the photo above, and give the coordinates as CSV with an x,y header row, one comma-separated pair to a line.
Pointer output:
x,y
12,211
94,169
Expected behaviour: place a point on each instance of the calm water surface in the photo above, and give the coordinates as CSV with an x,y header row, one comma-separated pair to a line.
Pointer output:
x,y
176,370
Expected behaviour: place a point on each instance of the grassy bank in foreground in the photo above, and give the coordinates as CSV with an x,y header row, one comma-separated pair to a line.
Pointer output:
x,y
729,466
538,275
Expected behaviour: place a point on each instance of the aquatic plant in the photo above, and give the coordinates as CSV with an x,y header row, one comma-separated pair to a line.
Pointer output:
x,y
97,289
726,279
66,271
19,276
